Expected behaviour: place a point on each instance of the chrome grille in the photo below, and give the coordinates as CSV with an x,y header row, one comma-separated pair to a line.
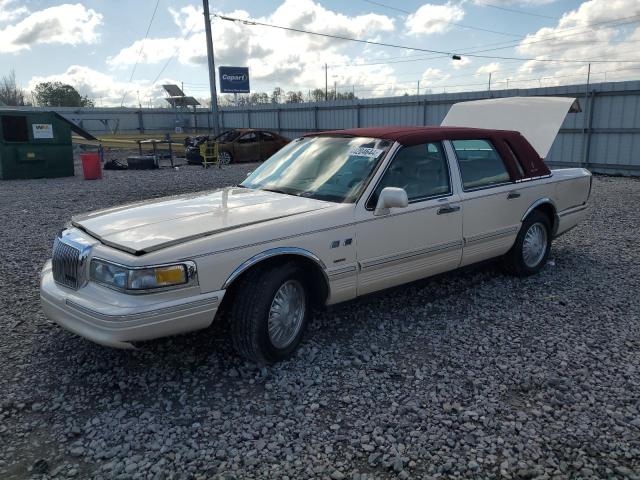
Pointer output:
x,y
67,264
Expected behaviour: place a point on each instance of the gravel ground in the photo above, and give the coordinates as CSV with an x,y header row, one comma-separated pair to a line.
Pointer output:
x,y
472,374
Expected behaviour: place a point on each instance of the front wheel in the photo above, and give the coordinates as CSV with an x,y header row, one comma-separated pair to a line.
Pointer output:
x,y
532,246
270,313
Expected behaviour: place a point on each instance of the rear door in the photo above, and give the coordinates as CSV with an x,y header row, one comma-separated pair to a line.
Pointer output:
x,y
492,202
269,145
247,148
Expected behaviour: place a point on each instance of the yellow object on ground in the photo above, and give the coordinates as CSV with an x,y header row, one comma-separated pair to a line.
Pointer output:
x,y
209,154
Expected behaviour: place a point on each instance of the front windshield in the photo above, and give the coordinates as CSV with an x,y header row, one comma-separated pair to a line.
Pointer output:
x,y
335,169
227,136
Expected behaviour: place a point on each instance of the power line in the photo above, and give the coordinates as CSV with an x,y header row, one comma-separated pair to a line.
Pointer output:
x,y
543,39
404,47
461,25
175,52
153,15
328,35
521,12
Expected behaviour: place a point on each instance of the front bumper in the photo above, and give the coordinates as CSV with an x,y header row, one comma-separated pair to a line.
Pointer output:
x,y
115,319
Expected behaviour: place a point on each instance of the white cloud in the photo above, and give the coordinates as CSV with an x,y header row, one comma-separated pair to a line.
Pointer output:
x,y
434,75
463,62
506,3
492,67
9,11
63,24
431,18
274,56
104,89
579,35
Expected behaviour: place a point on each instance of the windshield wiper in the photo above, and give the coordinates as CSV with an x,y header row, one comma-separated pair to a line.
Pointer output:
x,y
275,190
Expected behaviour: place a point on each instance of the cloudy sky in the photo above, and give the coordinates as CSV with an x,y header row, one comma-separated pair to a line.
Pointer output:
x,y
96,44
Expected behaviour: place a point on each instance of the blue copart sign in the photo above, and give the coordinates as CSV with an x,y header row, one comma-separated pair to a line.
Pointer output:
x,y
234,79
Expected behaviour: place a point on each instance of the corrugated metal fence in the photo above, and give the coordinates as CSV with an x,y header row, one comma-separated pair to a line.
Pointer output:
x,y
605,137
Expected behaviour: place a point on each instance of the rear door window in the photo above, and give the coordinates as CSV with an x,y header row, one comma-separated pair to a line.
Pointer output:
x,y
480,164
267,137
249,137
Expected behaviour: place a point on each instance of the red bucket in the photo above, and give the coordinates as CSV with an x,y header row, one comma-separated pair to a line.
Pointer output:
x,y
91,167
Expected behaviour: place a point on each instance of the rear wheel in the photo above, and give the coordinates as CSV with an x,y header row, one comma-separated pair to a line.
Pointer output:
x,y
225,158
532,246
270,313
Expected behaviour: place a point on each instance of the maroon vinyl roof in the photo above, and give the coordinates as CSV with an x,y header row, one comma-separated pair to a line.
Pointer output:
x,y
415,135
507,142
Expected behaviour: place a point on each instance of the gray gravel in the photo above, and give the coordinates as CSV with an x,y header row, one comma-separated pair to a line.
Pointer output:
x,y
472,374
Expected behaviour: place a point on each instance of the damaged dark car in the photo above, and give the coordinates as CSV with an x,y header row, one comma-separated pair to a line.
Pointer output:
x,y
238,145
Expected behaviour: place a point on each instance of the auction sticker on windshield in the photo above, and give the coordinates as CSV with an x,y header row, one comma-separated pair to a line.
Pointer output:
x,y
365,152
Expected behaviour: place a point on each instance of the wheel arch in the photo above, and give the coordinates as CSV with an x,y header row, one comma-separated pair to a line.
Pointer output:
x,y
315,268
548,207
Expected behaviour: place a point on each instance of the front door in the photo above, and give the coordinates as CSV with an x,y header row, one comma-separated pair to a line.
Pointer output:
x,y
420,240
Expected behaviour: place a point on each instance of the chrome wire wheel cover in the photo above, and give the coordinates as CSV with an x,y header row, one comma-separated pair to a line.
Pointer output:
x,y
286,313
225,158
534,245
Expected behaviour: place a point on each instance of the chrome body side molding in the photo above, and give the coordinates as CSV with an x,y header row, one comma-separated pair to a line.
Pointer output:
x,y
491,235
403,257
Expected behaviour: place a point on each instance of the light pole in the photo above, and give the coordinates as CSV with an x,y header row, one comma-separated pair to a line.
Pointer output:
x,y
326,85
212,68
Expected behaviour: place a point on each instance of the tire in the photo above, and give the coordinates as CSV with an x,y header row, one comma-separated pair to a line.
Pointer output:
x,y
225,158
254,335
531,249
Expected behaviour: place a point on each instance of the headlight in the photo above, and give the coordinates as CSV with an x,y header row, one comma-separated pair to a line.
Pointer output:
x,y
138,280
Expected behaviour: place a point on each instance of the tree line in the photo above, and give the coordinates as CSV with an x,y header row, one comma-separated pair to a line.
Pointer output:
x,y
45,94
280,96
58,94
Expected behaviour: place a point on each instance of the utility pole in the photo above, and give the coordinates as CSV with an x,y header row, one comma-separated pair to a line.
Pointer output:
x,y
585,113
212,68
335,89
326,86
489,81
418,90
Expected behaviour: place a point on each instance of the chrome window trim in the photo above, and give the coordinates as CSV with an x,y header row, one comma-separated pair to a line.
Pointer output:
x,y
530,179
416,200
274,252
192,276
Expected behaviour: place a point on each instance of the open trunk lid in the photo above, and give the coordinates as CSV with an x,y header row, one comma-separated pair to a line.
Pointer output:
x,y
538,119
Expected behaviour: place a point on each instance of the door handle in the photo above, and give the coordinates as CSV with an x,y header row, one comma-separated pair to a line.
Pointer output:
x,y
513,195
448,209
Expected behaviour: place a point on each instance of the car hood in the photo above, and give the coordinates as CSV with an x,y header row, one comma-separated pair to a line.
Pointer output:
x,y
148,226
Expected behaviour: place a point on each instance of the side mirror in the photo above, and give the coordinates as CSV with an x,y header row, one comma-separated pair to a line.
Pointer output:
x,y
391,197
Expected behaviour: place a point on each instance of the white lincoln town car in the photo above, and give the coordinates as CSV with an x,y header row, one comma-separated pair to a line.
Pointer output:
x,y
331,216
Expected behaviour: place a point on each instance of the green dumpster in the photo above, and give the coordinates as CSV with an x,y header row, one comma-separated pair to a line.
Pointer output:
x,y
36,144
